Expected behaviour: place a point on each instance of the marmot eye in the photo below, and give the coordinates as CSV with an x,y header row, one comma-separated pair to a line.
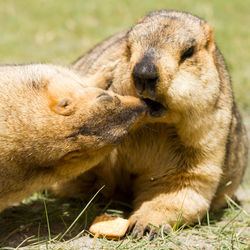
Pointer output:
x,y
187,54
128,51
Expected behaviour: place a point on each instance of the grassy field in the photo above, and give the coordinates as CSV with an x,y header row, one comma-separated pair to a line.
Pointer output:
x,y
58,32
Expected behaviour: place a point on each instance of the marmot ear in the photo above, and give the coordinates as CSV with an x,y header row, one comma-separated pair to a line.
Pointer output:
x,y
141,20
209,32
64,106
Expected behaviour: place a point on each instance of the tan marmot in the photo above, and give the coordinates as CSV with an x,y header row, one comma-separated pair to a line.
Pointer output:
x,y
52,128
194,152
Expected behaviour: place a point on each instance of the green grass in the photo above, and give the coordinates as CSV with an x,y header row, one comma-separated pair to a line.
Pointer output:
x,y
58,32
228,229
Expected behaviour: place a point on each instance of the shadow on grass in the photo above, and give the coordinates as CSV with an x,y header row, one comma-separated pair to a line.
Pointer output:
x,y
27,223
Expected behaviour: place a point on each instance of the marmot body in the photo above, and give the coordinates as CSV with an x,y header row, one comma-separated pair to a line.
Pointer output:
x,y
52,128
194,152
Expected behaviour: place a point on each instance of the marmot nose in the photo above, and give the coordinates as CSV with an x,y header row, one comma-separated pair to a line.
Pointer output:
x,y
145,75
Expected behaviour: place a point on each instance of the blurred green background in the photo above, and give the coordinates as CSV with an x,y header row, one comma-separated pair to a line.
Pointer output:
x,y
59,31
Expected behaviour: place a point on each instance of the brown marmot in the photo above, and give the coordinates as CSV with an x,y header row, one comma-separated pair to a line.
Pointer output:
x,y
194,152
52,128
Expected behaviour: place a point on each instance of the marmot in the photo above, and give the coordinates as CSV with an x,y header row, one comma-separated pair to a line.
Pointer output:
x,y
52,128
194,152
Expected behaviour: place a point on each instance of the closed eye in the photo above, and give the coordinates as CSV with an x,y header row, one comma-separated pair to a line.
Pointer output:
x,y
102,94
104,97
187,53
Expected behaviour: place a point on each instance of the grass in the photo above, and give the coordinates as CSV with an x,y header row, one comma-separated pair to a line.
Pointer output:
x,y
58,32
228,229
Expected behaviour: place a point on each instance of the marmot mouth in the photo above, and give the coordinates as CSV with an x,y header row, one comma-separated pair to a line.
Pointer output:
x,y
156,109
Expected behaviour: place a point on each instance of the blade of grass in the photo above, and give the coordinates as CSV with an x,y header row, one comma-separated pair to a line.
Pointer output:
x,y
178,222
38,234
107,206
236,205
23,242
208,219
47,219
222,229
63,222
80,214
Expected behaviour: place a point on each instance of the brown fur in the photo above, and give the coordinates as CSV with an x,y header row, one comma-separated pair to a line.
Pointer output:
x,y
195,152
52,128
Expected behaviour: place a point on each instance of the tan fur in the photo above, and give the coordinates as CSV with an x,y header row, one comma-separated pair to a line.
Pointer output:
x,y
52,128
187,160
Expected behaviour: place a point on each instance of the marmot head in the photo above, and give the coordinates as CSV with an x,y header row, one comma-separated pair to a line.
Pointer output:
x,y
105,115
171,55
94,122
58,114
92,118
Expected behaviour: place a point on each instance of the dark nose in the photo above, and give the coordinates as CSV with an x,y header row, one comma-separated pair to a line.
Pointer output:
x,y
145,76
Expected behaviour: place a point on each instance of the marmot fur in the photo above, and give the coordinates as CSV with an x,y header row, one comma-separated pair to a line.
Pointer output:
x,y
194,151
52,128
